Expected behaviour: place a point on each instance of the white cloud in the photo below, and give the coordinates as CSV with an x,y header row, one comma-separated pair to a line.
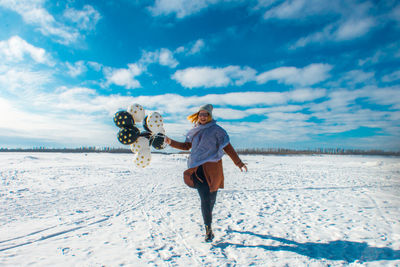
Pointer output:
x,y
321,36
173,103
163,57
16,48
353,28
383,53
338,122
80,67
124,77
359,76
395,13
246,98
280,112
338,114
279,108
291,9
181,8
166,58
352,19
341,112
339,101
342,30
306,94
127,77
309,75
262,4
76,69
95,65
34,13
285,116
22,81
179,50
230,114
236,75
69,113
192,48
394,76
214,77
51,128
88,100
85,19
197,47
383,96
355,77
79,99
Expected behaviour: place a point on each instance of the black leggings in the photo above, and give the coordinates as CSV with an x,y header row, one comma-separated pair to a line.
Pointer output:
x,y
207,198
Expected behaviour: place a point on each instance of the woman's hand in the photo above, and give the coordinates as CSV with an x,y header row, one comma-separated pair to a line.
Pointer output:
x,y
167,140
243,167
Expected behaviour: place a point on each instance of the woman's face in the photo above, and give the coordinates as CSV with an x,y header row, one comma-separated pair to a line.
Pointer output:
x,y
203,116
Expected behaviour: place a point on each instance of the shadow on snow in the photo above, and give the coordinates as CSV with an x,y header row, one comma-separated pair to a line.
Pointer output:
x,y
335,250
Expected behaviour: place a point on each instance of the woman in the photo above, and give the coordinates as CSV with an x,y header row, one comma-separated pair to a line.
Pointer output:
x,y
207,142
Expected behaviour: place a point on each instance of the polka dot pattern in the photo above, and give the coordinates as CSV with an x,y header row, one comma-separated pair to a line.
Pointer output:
x,y
137,112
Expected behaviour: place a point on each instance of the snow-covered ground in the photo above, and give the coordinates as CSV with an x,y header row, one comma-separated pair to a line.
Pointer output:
x,y
98,209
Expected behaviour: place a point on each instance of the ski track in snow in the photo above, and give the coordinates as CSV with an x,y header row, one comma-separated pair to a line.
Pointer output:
x,y
98,209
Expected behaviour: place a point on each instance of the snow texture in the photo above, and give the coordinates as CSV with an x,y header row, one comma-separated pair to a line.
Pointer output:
x,y
98,209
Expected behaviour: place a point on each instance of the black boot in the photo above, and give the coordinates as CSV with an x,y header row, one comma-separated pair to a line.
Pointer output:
x,y
209,234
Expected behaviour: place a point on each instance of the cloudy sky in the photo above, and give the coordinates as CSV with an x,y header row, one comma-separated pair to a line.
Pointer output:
x,y
293,74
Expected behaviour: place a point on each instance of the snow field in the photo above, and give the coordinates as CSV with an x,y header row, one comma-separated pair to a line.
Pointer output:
x,y
99,209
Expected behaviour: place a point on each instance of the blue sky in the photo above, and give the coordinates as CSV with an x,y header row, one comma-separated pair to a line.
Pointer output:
x,y
293,74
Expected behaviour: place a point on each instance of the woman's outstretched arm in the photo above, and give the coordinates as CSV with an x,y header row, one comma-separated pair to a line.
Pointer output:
x,y
235,157
177,145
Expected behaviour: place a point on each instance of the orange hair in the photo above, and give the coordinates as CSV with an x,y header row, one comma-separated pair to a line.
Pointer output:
x,y
194,118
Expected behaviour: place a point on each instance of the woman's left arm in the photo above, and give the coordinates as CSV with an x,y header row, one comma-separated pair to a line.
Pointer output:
x,y
235,157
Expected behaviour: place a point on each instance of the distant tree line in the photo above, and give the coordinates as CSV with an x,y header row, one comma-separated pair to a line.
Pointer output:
x,y
322,151
68,150
245,151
